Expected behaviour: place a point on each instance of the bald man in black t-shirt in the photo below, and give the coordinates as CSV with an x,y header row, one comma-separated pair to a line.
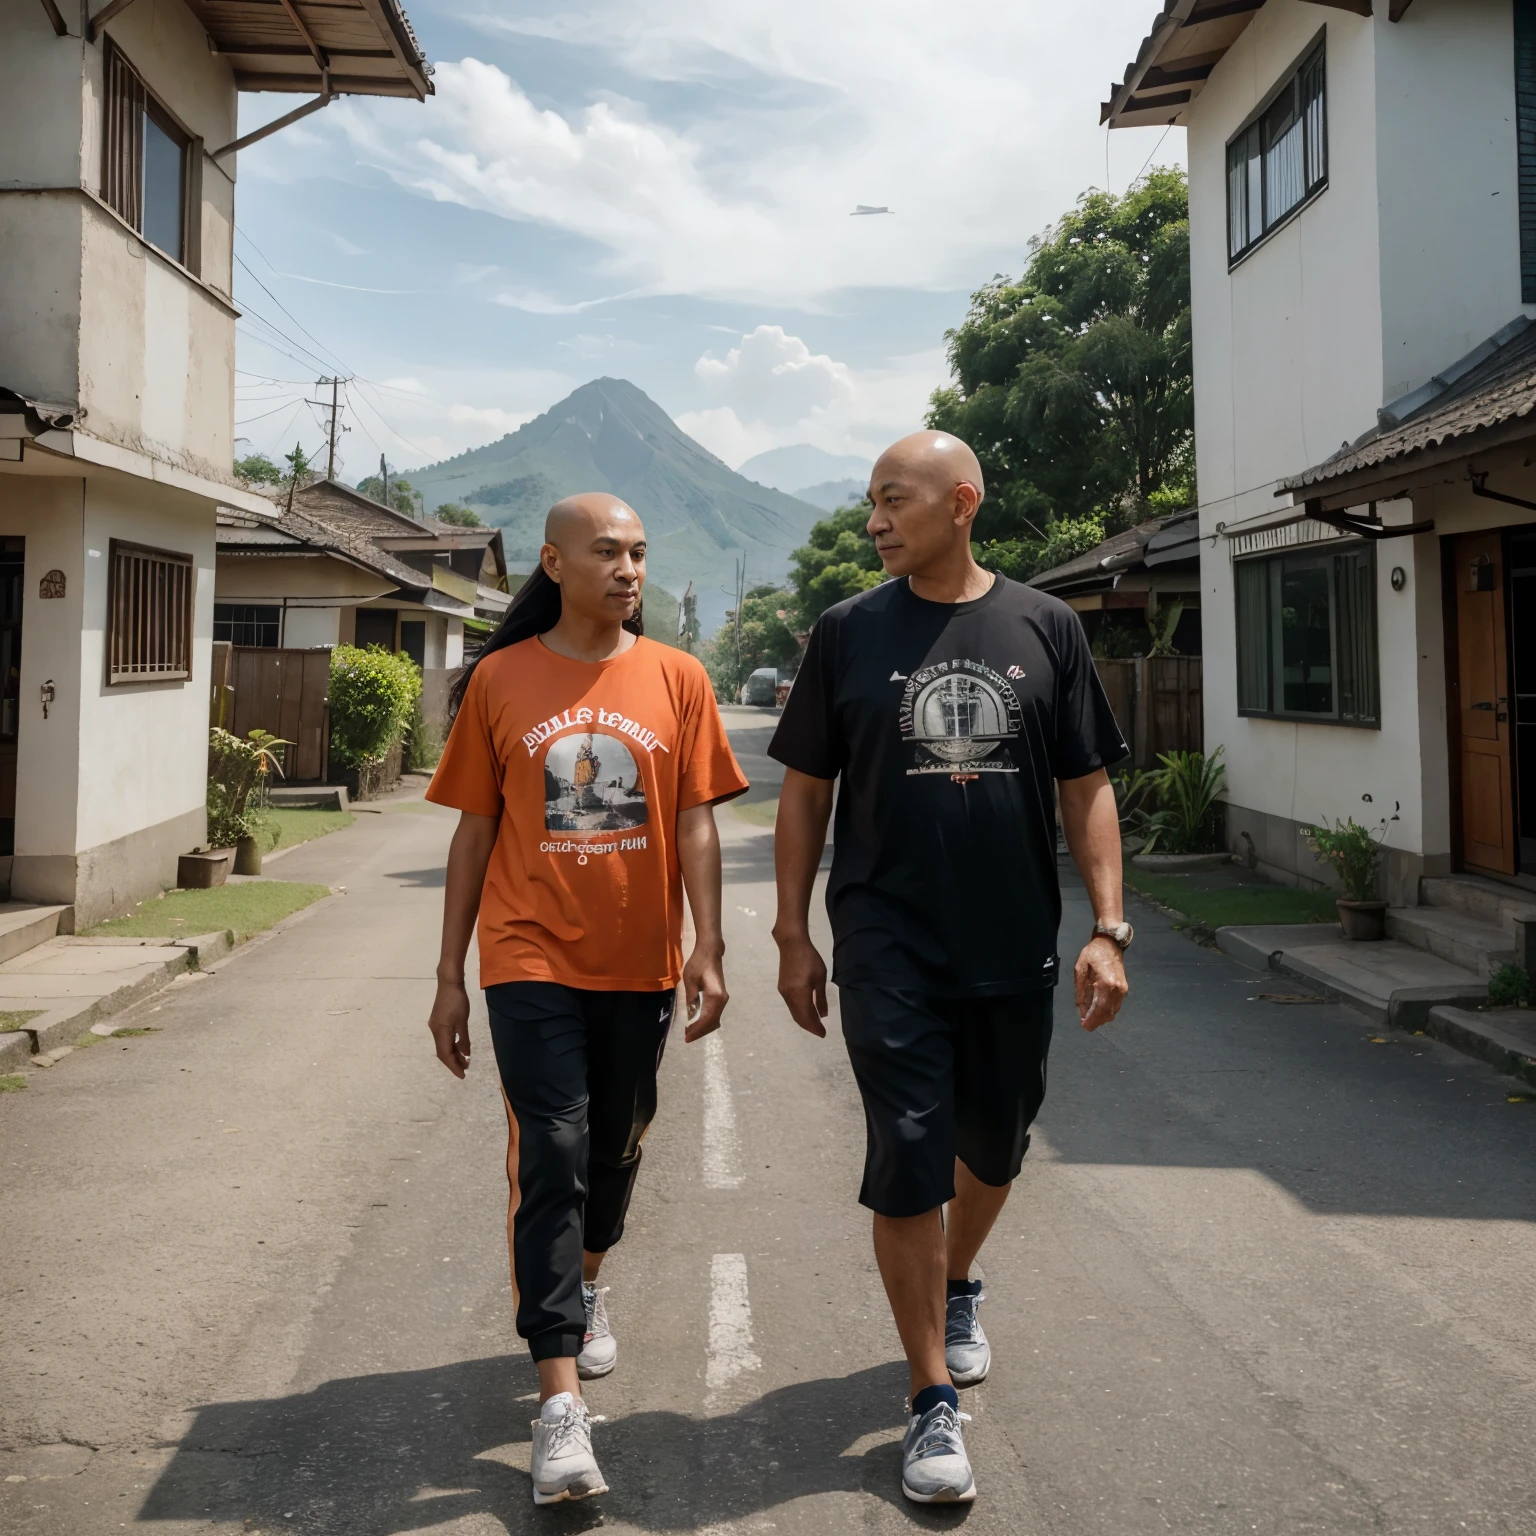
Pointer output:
x,y
957,707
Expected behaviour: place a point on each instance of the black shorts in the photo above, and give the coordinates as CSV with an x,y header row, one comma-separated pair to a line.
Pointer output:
x,y
943,1077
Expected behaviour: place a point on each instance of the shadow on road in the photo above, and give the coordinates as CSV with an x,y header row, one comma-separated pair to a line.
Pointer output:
x,y
420,879
409,1450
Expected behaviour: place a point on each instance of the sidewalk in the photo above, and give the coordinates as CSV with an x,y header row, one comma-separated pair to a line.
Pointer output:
x,y
64,988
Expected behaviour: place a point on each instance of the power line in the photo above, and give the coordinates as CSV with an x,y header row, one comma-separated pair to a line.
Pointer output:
x,y
274,297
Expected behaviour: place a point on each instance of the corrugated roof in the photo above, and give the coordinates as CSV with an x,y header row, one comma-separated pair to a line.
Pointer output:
x,y
367,47
1495,391
1125,551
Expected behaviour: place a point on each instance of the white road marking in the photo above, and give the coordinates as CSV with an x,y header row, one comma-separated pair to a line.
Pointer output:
x,y
730,1322
722,1146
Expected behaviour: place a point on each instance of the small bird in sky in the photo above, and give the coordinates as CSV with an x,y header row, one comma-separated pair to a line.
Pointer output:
x,y
864,210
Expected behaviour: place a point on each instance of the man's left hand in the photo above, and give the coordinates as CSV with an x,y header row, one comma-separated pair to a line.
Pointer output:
x,y
704,977
1101,983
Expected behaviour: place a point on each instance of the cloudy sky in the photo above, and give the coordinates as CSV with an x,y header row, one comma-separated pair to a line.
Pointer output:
x,y
661,190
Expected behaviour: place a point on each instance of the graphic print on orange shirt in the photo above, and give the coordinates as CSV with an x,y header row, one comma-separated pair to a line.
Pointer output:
x,y
587,767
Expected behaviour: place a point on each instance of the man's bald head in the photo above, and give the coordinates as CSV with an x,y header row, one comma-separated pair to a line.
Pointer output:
x,y
594,547
577,520
935,457
925,491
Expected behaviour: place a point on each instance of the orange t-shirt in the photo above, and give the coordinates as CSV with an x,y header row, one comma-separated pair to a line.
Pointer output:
x,y
587,765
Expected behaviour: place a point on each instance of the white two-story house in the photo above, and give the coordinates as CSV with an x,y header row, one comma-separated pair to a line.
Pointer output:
x,y
118,143
1363,228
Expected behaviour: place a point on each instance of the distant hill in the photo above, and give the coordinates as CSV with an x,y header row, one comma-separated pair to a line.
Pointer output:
x,y
786,469
832,494
610,436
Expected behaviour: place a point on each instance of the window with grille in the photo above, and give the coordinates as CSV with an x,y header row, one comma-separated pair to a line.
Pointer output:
x,y
247,623
1280,160
1306,636
148,168
149,615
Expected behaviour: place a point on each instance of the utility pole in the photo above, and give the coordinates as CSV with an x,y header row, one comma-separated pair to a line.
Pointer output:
x,y
685,612
333,407
383,481
741,588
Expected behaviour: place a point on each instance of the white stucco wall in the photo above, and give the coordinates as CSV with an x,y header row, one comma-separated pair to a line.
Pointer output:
x,y
49,513
143,746
304,628
453,652
1406,261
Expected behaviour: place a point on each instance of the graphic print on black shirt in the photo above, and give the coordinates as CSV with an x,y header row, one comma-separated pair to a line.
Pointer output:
x,y
957,715
947,725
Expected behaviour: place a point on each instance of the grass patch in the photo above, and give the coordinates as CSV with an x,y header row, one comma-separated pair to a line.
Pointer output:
x,y
241,909
298,825
761,813
1216,899
12,1082
16,1018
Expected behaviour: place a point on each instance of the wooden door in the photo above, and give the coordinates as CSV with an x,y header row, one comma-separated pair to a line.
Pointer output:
x,y
1487,812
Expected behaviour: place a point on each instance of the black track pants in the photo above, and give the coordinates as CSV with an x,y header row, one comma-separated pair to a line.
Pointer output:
x,y
579,1069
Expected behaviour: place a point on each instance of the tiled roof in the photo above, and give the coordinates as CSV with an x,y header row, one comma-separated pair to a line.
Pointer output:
x,y
1123,552
300,530
1491,387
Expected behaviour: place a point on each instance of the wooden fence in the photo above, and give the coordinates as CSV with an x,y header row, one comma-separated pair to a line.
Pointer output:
x,y
281,691
1158,702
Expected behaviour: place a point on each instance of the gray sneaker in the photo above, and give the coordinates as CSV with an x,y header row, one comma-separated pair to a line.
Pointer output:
x,y
966,1351
934,1466
599,1350
563,1464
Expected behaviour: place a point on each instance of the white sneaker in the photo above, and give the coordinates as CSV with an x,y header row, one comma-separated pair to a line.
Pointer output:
x,y
966,1351
563,1464
934,1466
599,1349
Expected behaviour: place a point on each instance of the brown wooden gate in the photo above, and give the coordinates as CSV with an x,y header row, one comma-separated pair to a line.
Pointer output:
x,y
1158,702
284,691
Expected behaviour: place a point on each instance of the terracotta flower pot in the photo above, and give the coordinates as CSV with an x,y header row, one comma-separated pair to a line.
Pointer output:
x,y
1363,920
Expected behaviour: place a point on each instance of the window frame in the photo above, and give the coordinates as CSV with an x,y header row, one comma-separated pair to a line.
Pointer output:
x,y
1272,663
275,623
179,626
1252,135
127,101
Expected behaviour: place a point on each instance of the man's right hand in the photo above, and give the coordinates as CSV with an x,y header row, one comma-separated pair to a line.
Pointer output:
x,y
803,982
449,1023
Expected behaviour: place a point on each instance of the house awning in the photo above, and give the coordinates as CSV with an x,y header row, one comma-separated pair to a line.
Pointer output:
x,y
334,48
1485,401
1188,40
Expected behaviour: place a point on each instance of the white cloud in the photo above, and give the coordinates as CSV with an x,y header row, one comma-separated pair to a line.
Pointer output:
x,y
972,120
772,390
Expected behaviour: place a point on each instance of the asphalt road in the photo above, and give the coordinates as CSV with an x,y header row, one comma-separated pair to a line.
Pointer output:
x,y
1262,1273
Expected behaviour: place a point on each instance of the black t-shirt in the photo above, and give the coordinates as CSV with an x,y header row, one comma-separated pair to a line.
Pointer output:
x,y
947,723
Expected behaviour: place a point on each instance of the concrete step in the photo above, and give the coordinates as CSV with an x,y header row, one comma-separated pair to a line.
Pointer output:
x,y
24,926
1475,945
1389,982
310,797
1486,901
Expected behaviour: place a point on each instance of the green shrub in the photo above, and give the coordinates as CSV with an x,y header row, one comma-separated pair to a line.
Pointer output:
x,y
238,773
1187,791
1353,853
1510,987
424,741
372,694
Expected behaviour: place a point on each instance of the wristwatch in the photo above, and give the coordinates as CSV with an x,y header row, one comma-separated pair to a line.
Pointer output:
x,y
1120,933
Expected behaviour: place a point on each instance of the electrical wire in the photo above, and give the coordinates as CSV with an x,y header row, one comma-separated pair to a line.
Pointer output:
x,y
336,362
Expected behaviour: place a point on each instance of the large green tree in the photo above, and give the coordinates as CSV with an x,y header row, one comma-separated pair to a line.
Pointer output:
x,y
1073,383
766,640
837,561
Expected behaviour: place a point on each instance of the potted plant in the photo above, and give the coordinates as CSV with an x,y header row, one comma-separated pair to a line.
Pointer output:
x,y
237,783
1185,831
1354,854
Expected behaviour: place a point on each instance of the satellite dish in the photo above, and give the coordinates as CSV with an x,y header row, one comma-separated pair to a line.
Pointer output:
x,y
863,210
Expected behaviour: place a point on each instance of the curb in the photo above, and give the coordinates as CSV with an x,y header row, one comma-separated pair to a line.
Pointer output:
x,y
58,1028
1475,1034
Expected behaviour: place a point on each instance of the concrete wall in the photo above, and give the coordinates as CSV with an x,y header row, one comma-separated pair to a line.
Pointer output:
x,y
112,786
295,578
90,314
1406,261
307,627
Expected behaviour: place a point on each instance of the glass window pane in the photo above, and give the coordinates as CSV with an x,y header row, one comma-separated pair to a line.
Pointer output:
x,y
1355,589
1285,179
1253,627
1314,111
163,183
1237,198
1255,186
1306,640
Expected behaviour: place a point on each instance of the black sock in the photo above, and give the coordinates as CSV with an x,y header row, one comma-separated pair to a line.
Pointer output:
x,y
931,1397
965,1287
